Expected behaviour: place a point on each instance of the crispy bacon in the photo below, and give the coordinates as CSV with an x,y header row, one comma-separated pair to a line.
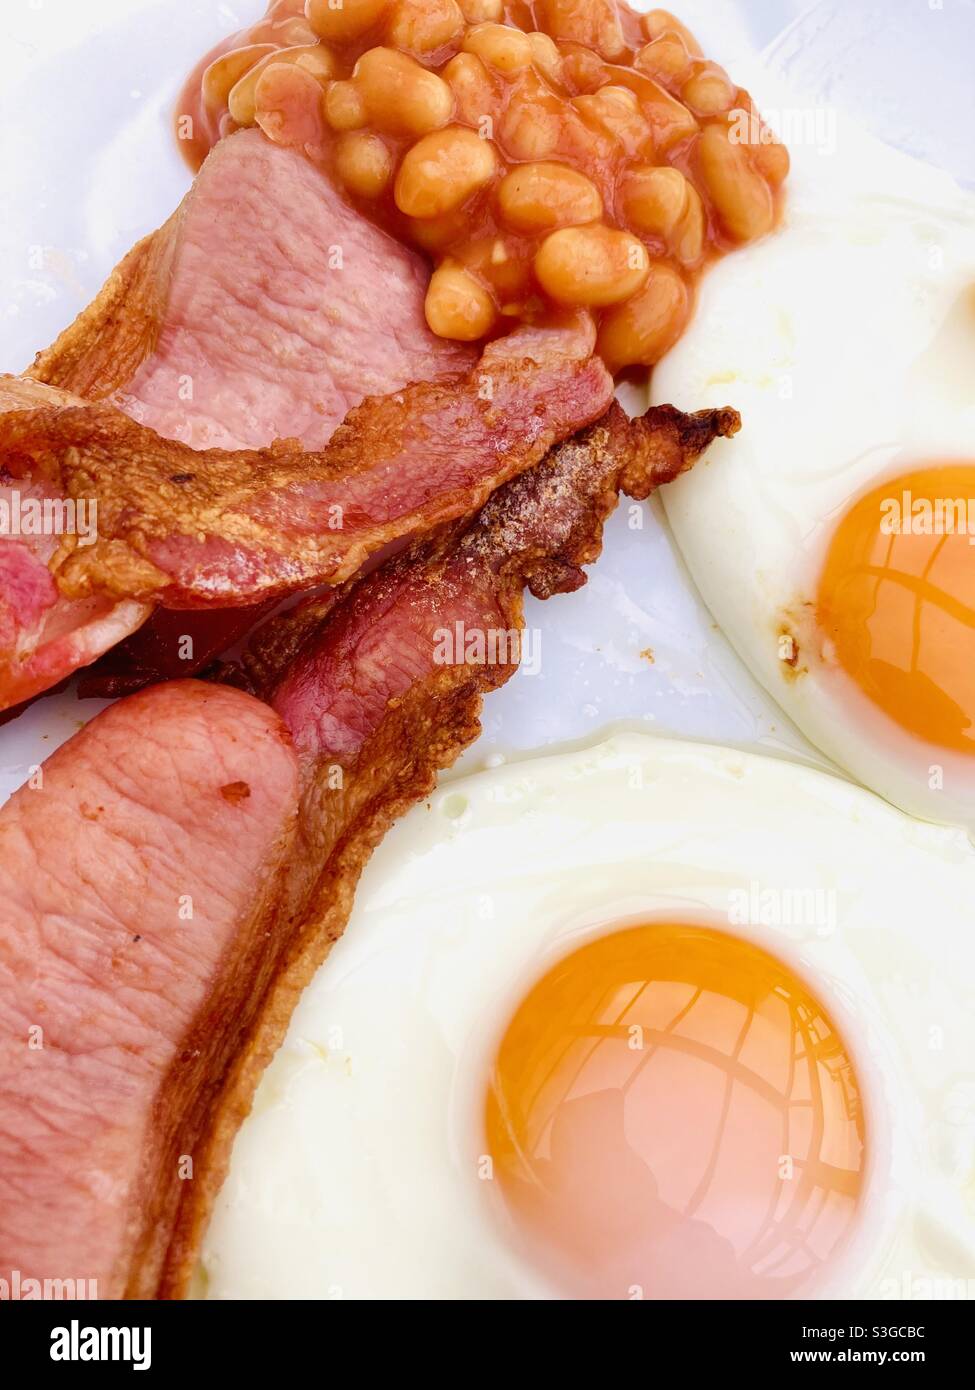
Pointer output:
x,y
44,636
194,529
118,1094
534,533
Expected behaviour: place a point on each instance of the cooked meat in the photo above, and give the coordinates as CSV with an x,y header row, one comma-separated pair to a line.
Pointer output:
x,y
211,332
174,643
265,308
156,1028
43,635
217,333
194,529
137,898
534,533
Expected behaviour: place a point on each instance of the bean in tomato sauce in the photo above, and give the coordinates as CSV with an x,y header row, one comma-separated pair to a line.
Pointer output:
x,y
543,153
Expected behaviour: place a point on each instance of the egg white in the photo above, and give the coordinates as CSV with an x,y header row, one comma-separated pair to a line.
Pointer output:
x,y
356,1175
847,341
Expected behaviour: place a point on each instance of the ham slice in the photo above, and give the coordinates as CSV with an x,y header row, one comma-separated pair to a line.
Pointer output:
x,y
116,1121
138,879
265,308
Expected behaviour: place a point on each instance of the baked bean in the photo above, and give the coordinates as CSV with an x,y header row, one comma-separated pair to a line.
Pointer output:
x,y
659,22
509,274
425,25
740,195
640,331
442,170
317,60
669,119
531,125
586,144
539,197
582,70
546,56
502,267
363,163
457,306
591,266
288,105
474,94
771,159
499,46
666,59
616,98
436,234
225,72
661,202
402,97
345,108
590,163
482,11
766,152
708,92
346,21
294,32
689,234
617,111
655,199
595,23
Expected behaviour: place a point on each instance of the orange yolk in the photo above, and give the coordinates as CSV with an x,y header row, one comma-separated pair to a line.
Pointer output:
x,y
672,1114
897,599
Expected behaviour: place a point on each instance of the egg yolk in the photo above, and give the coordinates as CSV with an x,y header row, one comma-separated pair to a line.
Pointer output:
x,y
672,1114
897,600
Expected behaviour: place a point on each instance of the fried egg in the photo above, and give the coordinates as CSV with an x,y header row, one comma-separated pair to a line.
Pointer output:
x,y
834,539
648,1019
